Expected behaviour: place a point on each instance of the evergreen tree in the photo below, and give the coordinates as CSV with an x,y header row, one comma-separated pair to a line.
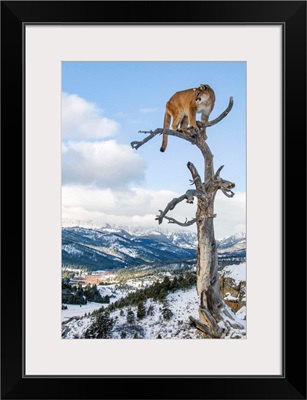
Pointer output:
x,y
101,328
150,310
123,335
166,283
162,295
166,312
130,317
141,311
174,284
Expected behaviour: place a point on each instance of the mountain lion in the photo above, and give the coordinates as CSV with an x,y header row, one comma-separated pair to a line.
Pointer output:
x,y
183,106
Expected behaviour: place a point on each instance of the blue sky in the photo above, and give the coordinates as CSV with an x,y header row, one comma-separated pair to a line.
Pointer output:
x,y
112,101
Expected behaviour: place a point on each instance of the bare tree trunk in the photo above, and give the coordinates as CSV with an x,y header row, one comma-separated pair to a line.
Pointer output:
x,y
212,308
208,288
207,262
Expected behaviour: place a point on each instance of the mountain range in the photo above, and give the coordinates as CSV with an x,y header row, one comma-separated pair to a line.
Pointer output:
x,y
110,247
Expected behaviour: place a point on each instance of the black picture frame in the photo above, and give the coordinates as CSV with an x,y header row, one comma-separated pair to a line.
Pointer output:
x,y
292,383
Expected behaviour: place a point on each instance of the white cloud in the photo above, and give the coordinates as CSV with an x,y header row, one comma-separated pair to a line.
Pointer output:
x,y
83,120
139,207
102,164
127,202
231,214
147,110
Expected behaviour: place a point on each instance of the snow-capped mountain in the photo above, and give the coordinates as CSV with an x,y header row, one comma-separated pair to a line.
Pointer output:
x,y
182,239
232,240
234,246
111,247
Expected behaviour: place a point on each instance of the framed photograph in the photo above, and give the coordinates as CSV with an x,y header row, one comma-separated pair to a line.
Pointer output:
x,y
163,183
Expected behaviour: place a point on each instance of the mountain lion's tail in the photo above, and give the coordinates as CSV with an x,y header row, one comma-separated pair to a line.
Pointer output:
x,y
166,125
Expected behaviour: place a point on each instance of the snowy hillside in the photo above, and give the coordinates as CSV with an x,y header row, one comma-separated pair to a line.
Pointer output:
x,y
154,304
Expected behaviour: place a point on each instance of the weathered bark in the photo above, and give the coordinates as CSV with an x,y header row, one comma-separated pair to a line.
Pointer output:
x,y
188,196
212,308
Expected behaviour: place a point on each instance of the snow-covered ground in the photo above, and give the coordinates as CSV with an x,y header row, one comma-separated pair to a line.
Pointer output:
x,y
74,310
110,291
181,303
236,325
76,328
235,271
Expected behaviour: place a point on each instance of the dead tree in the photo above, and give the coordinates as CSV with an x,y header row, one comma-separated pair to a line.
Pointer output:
x,y
215,318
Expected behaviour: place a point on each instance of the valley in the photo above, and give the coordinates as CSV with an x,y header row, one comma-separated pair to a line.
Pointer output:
x,y
143,284
109,248
153,303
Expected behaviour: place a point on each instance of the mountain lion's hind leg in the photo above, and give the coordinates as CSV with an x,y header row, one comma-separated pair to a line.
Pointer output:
x,y
184,125
177,118
192,120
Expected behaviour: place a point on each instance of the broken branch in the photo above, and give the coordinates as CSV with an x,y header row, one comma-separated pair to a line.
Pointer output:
x,y
217,174
223,115
186,223
215,183
228,193
188,196
196,177
136,144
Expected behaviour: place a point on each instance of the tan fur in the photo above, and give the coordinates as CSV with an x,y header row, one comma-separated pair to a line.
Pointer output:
x,y
183,106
